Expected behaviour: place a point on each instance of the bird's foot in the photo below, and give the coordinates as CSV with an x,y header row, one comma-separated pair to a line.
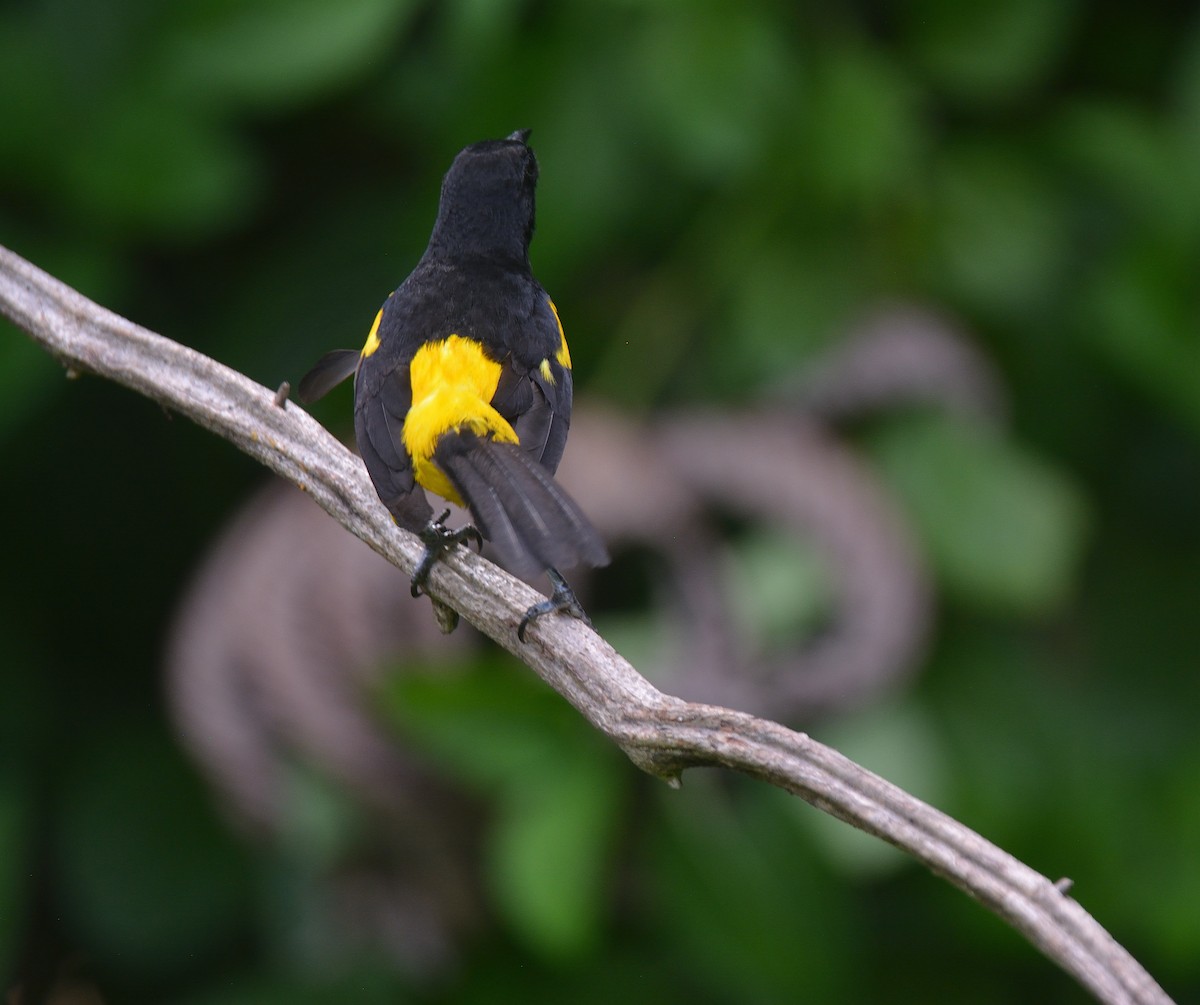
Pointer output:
x,y
438,540
561,601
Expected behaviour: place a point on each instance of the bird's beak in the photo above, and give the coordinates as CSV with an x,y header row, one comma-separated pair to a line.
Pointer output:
x,y
520,136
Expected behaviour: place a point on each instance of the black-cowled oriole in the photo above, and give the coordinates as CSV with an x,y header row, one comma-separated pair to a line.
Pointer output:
x,y
463,387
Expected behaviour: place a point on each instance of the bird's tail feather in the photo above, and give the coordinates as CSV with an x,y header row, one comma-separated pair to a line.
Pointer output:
x,y
518,506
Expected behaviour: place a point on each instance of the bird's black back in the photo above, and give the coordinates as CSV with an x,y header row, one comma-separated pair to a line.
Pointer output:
x,y
474,281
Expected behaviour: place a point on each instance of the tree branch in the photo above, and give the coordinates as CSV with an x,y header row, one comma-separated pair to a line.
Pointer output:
x,y
660,733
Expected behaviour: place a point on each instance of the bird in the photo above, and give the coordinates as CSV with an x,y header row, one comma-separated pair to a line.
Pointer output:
x,y
463,388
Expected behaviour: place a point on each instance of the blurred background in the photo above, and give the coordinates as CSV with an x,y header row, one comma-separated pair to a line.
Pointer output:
x,y
886,333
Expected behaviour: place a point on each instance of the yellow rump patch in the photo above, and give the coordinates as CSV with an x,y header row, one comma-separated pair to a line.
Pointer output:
x,y
564,354
372,342
453,383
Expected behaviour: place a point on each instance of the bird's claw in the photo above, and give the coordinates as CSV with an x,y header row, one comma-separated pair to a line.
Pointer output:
x,y
561,601
438,540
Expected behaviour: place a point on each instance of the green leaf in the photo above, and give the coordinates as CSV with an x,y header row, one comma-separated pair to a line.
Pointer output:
x,y
359,984
1141,165
150,878
866,131
27,376
15,852
1001,234
1166,875
1143,312
1187,91
486,725
781,588
279,52
554,784
548,853
151,166
707,79
739,896
787,304
990,50
28,151
1003,529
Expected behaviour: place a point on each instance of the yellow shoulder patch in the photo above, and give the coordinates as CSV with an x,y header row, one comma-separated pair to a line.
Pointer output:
x,y
372,342
564,354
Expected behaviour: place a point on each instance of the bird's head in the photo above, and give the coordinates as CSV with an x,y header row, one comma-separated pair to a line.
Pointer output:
x,y
487,202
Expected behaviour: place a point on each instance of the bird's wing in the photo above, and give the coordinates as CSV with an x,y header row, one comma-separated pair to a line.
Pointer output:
x,y
535,395
378,425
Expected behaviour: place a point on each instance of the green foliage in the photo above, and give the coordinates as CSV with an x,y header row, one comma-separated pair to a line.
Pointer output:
x,y
148,873
279,53
989,52
877,161
725,189
780,589
554,791
363,985
145,168
1003,529
24,377
711,79
740,898
16,821
1002,241
1146,315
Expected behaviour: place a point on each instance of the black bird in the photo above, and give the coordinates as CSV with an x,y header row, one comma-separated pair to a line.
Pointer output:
x,y
463,387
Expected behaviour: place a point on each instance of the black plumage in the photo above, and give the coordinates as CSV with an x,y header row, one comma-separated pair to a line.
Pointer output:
x,y
474,282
